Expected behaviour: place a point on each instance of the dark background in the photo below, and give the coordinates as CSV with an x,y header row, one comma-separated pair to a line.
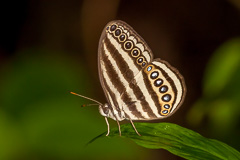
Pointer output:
x,y
49,48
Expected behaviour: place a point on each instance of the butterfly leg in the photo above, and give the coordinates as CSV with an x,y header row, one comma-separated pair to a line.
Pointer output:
x,y
107,126
134,127
119,128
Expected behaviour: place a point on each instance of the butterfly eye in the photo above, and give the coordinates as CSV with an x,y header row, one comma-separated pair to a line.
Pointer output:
x,y
106,110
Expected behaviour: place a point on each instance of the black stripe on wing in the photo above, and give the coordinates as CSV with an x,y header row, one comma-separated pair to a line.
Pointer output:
x,y
115,79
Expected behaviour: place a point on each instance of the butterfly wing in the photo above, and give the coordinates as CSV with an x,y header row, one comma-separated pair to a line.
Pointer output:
x,y
117,67
124,69
161,91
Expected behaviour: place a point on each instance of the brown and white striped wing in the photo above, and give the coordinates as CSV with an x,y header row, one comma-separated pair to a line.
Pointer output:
x,y
143,88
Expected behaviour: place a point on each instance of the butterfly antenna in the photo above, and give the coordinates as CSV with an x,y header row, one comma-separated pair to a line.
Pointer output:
x,y
85,105
86,98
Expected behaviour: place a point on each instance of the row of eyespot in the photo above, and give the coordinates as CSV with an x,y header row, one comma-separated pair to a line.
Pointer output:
x,y
128,45
163,89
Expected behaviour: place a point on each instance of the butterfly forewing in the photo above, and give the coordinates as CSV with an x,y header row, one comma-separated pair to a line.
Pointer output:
x,y
134,83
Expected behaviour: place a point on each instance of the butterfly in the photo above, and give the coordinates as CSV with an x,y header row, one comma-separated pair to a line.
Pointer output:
x,y
137,87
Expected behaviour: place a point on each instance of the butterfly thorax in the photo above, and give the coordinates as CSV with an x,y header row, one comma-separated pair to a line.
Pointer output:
x,y
107,110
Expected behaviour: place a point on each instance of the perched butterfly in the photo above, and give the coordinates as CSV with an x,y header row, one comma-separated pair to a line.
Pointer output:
x,y
137,87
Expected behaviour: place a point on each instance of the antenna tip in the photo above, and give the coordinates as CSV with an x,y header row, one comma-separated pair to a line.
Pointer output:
x,y
73,93
86,97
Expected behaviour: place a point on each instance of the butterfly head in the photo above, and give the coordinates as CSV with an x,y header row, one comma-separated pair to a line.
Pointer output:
x,y
105,110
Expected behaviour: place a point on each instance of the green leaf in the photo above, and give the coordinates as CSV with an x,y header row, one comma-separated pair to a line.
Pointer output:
x,y
177,140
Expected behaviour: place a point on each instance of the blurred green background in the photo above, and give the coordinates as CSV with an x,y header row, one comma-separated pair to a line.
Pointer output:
x,y
49,48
